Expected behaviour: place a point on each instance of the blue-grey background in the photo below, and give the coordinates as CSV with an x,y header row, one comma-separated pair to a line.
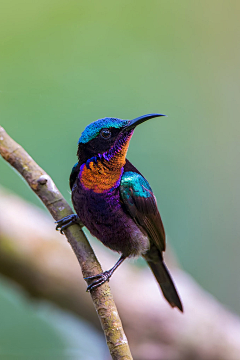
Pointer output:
x,y
64,64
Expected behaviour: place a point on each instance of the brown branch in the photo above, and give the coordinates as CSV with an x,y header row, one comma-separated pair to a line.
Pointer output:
x,y
46,190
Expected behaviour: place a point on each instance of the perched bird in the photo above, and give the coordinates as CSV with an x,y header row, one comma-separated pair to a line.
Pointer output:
x,y
116,203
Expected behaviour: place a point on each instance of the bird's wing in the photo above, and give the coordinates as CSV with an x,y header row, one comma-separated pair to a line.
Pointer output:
x,y
73,175
141,204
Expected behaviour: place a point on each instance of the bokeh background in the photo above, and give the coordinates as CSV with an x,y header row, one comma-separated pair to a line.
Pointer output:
x,y
64,64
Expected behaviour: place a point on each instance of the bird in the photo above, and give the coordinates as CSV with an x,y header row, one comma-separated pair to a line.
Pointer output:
x,y
114,201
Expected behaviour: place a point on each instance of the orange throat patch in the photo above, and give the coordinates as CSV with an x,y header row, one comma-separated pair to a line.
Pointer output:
x,y
105,174
99,178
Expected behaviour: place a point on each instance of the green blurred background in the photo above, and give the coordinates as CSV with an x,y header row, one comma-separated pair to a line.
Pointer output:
x,y
64,64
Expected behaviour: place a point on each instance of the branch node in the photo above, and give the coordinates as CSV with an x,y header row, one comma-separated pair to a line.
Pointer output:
x,y
42,180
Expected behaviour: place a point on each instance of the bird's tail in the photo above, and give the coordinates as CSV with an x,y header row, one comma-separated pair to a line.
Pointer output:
x,y
165,281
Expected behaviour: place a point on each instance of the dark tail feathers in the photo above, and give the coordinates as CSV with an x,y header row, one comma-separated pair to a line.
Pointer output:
x,y
165,281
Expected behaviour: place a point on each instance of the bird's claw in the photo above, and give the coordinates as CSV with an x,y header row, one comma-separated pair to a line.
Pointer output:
x,y
100,279
65,222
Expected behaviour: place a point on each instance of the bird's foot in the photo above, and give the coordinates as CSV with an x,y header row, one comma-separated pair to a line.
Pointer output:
x,y
99,279
65,222
103,277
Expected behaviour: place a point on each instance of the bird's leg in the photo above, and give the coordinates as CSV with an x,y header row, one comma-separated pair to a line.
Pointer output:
x,y
103,277
65,222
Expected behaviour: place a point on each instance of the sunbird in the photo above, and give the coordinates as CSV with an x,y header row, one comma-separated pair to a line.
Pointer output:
x,y
116,203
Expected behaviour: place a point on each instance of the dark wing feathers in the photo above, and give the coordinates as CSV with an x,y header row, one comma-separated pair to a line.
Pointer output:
x,y
141,204
73,175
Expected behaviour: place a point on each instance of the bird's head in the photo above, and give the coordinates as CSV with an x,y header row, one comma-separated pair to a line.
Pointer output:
x,y
107,138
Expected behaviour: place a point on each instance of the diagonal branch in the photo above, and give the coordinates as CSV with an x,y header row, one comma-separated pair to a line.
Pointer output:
x,y
46,190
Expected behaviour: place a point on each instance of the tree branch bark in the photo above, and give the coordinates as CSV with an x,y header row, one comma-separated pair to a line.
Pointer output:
x,y
46,190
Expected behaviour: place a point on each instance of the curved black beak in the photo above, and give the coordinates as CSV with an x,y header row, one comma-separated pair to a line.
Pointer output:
x,y
139,120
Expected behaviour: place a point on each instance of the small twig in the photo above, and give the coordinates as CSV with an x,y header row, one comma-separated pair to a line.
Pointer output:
x,y
46,190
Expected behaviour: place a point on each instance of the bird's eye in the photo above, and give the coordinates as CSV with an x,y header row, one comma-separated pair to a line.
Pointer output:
x,y
105,133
